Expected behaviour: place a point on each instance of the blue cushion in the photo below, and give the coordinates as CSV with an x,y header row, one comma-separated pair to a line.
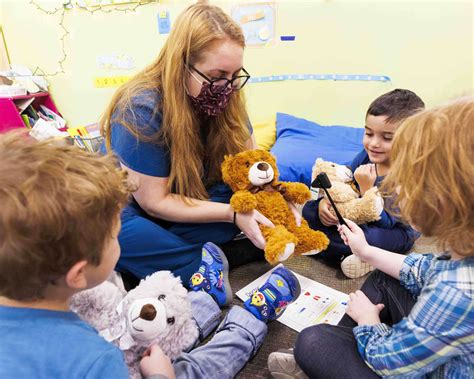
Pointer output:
x,y
299,142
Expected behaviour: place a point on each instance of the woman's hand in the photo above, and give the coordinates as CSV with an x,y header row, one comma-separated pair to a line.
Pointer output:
x,y
249,222
155,362
365,176
362,310
354,237
296,213
325,216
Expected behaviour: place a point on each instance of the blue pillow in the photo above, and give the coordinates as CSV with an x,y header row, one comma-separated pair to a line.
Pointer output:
x,y
299,142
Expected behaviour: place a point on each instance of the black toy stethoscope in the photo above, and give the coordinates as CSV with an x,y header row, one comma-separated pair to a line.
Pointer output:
x,y
322,181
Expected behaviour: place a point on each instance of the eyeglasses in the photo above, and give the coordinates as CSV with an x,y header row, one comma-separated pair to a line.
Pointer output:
x,y
220,84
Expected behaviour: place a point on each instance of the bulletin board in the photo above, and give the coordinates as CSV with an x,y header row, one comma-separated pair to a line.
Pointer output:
x,y
258,22
321,60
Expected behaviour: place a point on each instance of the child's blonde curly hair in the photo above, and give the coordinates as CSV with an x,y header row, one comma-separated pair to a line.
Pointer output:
x,y
432,172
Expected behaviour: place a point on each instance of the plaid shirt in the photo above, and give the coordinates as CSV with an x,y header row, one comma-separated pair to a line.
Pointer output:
x,y
436,340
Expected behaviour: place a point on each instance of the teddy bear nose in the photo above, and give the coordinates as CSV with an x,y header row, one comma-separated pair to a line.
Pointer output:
x,y
148,312
262,166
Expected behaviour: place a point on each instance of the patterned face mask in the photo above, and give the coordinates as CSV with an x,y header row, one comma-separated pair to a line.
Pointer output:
x,y
209,103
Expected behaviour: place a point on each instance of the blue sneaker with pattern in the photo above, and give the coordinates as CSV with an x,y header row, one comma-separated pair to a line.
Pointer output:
x,y
270,300
213,275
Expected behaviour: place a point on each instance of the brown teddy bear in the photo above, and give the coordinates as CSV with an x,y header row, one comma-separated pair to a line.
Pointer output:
x,y
345,195
253,176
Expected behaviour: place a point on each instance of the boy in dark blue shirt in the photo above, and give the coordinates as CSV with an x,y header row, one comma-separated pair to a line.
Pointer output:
x,y
369,167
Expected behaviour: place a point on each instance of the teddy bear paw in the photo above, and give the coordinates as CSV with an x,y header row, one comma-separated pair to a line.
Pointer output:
x,y
289,249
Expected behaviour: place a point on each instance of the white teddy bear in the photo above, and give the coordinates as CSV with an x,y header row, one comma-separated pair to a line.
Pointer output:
x,y
157,311
348,201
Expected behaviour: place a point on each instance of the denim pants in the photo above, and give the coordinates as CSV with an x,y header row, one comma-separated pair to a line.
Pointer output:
x,y
327,351
236,340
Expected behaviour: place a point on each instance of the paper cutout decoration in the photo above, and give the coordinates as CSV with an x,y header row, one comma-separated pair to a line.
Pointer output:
x,y
164,23
110,81
115,61
257,21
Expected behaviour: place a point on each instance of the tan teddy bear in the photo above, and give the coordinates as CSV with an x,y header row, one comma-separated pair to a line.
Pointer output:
x,y
253,176
345,195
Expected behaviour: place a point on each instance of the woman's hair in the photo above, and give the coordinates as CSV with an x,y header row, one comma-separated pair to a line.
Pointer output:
x,y
191,155
59,206
432,171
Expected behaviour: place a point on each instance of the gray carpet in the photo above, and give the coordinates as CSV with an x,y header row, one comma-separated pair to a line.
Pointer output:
x,y
279,336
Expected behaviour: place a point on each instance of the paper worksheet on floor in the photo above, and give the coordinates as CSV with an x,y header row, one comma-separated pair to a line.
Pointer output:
x,y
317,303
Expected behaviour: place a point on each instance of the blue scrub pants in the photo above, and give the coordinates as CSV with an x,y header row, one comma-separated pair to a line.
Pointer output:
x,y
149,244
396,239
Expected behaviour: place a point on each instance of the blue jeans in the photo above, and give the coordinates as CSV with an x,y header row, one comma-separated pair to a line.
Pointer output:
x,y
236,340
328,351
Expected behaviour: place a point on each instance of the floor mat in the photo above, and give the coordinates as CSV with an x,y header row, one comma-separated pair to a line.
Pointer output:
x,y
279,336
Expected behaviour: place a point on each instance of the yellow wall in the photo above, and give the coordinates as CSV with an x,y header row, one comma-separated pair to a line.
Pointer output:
x,y
426,46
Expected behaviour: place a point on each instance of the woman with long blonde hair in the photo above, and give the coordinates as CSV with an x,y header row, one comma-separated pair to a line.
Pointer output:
x,y
171,126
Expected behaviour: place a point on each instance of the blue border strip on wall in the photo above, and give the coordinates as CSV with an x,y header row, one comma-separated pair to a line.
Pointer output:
x,y
351,77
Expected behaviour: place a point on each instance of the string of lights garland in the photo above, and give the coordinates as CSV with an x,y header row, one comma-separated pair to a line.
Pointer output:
x,y
38,70
124,8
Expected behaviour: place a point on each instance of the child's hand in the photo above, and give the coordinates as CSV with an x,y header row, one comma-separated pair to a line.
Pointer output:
x,y
325,216
362,310
354,238
155,362
365,176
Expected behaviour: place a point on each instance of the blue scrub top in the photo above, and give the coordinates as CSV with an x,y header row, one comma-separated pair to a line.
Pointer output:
x,y
145,157
149,158
148,247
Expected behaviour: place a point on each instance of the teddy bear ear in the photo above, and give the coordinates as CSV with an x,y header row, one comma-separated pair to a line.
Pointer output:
x,y
266,154
319,160
225,167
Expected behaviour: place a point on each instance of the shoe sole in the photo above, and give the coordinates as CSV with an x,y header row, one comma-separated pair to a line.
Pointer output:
x,y
281,368
225,269
354,271
311,252
298,288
